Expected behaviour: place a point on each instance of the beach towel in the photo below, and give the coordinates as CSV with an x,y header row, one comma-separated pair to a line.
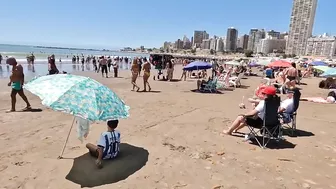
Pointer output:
x,y
83,127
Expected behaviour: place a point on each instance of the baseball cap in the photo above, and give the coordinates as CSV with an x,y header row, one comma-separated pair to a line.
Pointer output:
x,y
269,90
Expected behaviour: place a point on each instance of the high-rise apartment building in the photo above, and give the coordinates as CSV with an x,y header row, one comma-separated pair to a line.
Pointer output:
x,y
219,45
198,38
272,34
254,38
322,45
301,26
231,39
243,42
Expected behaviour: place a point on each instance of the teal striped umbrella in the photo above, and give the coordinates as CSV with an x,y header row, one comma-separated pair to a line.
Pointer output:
x,y
79,96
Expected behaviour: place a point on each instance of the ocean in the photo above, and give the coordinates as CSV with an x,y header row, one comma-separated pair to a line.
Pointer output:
x,y
41,54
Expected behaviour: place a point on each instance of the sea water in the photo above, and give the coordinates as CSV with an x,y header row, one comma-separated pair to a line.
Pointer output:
x,y
40,66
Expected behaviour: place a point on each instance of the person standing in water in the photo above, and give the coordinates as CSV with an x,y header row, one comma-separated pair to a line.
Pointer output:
x,y
16,82
103,63
135,72
115,68
52,66
146,68
0,58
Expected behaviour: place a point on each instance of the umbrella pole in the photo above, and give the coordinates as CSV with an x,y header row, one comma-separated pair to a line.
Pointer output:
x,y
66,141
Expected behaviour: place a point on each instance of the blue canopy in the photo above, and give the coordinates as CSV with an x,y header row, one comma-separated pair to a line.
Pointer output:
x,y
197,65
331,72
319,63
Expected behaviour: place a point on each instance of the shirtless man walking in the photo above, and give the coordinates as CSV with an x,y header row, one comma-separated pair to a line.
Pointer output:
x,y
17,81
146,68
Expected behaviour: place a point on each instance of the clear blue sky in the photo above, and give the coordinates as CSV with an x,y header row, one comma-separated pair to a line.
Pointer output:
x,y
120,23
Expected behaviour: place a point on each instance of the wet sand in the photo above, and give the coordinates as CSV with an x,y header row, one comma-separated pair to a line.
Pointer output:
x,y
173,140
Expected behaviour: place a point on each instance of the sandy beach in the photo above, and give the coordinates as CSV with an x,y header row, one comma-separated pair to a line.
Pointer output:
x,y
171,140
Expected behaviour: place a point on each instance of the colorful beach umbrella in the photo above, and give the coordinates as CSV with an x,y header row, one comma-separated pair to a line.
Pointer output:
x,y
331,72
318,63
280,64
197,65
264,62
322,68
79,96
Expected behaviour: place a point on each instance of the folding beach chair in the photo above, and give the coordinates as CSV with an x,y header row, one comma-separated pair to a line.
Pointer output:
x,y
211,86
289,119
271,128
235,81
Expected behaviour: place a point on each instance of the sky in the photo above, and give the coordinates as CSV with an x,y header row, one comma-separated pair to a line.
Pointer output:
x,y
121,23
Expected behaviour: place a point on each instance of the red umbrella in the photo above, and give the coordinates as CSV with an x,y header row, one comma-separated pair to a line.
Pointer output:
x,y
280,63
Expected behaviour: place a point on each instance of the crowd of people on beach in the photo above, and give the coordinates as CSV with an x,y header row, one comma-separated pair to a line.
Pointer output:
x,y
277,81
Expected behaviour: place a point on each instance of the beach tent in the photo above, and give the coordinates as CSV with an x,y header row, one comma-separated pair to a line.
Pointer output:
x,y
280,64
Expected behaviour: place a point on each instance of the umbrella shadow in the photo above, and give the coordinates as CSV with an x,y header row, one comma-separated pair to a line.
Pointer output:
x,y
85,173
31,110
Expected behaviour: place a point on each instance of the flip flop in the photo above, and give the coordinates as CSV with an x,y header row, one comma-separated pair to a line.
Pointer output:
x,y
26,108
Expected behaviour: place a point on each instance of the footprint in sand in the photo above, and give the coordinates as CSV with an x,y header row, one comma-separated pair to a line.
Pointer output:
x,y
3,167
21,163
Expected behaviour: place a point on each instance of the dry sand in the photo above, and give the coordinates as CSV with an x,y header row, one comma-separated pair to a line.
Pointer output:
x,y
172,140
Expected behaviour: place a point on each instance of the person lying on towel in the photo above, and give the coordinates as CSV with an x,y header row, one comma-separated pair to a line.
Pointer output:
x,y
108,144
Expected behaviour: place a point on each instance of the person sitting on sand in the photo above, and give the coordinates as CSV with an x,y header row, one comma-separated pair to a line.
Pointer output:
x,y
146,68
108,144
255,117
202,83
17,81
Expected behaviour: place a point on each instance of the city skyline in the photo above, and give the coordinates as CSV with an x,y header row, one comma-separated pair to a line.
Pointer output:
x,y
119,24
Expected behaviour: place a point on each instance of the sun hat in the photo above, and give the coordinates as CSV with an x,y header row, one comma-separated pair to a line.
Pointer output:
x,y
269,90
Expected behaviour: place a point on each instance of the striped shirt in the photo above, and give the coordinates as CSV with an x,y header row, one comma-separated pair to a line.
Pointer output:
x,y
109,141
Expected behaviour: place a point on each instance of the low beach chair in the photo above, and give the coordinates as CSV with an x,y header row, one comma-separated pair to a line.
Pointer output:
x,y
211,86
289,120
271,128
235,81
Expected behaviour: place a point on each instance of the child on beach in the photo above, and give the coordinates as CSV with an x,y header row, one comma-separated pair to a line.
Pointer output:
x,y
108,144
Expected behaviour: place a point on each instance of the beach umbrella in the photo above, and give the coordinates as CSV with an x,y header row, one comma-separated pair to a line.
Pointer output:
x,y
79,96
318,63
280,64
253,64
197,65
322,68
264,62
233,63
331,72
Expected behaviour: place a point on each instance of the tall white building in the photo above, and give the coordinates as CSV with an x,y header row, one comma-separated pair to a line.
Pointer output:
x,y
254,38
213,43
205,44
219,45
301,26
322,45
271,45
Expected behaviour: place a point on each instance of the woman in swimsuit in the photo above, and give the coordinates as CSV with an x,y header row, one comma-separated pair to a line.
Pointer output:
x,y
146,68
135,72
